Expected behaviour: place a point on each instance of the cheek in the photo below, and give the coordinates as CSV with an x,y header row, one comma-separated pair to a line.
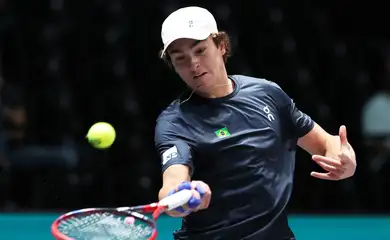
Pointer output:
x,y
213,63
185,74
181,71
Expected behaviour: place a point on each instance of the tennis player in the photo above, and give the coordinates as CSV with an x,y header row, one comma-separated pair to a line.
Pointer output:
x,y
232,139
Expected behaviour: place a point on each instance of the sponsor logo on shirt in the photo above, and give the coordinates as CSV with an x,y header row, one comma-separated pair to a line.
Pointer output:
x,y
169,154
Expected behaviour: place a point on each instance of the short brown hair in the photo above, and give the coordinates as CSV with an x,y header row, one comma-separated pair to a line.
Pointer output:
x,y
218,38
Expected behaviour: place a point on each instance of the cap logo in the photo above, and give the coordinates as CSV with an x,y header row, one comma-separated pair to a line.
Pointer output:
x,y
190,23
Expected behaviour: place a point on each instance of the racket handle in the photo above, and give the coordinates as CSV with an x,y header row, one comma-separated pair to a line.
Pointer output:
x,y
176,200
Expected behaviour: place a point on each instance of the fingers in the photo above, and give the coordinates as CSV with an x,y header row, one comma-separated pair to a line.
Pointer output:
x,y
184,185
341,160
204,191
333,167
195,201
201,196
325,176
327,167
328,161
180,211
343,135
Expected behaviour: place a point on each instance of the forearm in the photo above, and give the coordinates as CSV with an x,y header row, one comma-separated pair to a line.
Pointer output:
x,y
172,178
320,142
317,141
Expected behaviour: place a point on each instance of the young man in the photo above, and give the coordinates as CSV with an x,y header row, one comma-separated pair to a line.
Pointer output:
x,y
237,136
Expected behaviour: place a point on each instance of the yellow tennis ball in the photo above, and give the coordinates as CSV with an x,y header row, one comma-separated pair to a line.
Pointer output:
x,y
101,135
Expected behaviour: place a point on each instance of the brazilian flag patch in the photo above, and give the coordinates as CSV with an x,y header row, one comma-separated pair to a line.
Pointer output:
x,y
223,132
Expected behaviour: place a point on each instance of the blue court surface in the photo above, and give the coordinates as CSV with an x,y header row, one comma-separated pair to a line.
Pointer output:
x,y
306,227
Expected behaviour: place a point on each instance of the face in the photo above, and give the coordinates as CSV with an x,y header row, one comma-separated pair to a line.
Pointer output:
x,y
199,63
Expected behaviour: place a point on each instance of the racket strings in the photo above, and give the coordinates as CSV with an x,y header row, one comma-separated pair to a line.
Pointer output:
x,y
105,226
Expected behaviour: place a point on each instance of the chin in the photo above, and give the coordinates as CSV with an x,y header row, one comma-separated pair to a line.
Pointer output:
x,y
205,89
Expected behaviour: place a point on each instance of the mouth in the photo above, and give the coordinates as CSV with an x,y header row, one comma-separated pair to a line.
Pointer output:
x,y
200,75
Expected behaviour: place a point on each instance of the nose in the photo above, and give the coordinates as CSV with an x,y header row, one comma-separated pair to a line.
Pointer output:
x,y
194,63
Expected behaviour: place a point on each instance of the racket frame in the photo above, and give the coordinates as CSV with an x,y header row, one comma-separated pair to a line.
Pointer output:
x,y
121,211
137,212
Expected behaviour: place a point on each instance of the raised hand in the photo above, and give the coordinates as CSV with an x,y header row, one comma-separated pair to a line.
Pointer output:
x,y
340,163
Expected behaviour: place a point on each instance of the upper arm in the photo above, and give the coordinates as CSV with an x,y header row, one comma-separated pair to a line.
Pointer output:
x,y
174,151
296,124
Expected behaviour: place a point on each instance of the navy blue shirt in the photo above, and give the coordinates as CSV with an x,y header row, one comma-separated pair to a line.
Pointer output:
x,y
243,146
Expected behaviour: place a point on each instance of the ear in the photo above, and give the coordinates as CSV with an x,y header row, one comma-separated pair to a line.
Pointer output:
x,y
222,49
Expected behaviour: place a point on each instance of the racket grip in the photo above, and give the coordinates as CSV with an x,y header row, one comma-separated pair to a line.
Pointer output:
x,y
176,200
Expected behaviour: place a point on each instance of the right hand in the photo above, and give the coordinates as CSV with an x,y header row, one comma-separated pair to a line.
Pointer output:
x,y
201,195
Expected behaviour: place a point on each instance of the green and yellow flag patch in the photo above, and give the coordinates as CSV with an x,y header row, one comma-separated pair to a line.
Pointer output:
x,y
223,132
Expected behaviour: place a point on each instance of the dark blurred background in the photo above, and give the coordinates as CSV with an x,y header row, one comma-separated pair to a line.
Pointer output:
x,y
65,65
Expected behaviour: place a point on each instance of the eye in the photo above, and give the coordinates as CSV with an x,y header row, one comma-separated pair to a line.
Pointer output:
x,y
200,50
179,58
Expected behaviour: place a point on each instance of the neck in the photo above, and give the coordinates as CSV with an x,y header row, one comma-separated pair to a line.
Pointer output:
x,y
223,87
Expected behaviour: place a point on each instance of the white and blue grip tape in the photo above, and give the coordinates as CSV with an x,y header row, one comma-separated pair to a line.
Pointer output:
x,y
193,202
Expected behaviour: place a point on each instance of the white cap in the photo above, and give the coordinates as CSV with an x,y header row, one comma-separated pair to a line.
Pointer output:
x,y
189,22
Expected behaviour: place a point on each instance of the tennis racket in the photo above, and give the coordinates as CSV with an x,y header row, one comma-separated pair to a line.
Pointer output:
x,y
116,223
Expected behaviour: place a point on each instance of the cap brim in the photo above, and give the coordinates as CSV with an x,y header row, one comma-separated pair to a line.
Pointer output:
x,y
196,36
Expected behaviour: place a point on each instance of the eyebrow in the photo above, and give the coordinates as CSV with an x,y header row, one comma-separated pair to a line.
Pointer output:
x,y
191,46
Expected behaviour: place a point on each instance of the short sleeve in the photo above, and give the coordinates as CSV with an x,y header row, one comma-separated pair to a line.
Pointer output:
x,y
297,123
171,146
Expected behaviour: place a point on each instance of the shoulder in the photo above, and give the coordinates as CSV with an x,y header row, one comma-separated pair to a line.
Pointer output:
x,y
169,121
170,112
171,128
253,83
261,86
